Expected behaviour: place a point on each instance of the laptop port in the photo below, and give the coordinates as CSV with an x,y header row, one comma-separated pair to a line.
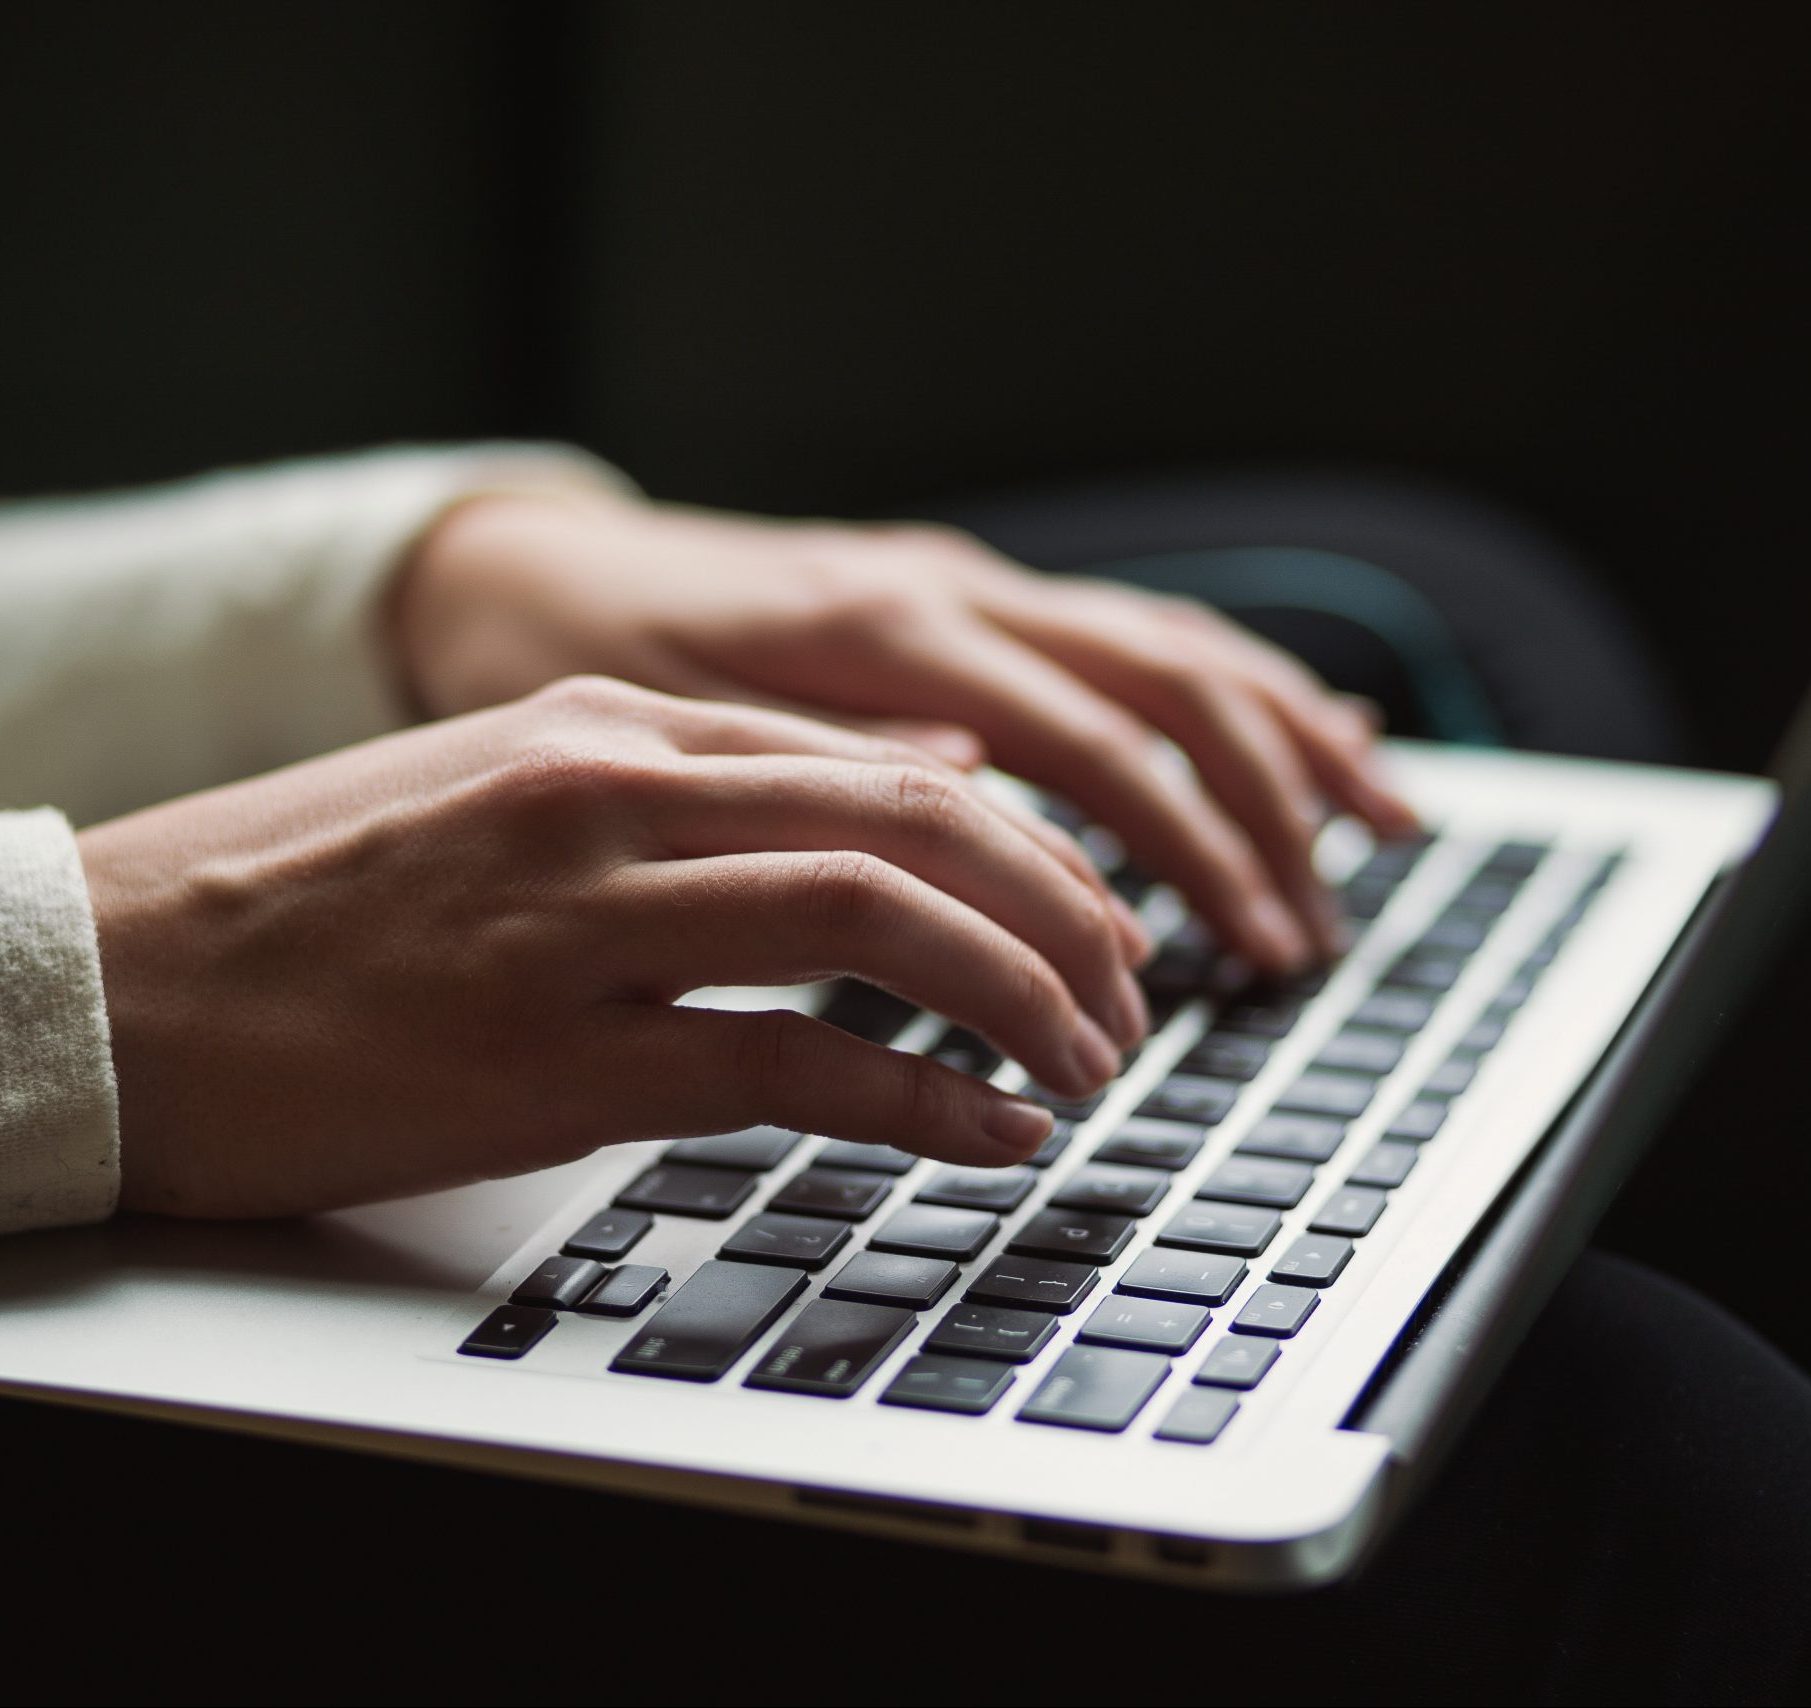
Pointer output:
x,y
1080,1538
1183,1551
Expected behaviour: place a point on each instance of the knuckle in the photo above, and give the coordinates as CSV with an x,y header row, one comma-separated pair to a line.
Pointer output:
x,y
847,893
581,696
775,1050
926,803
927,1099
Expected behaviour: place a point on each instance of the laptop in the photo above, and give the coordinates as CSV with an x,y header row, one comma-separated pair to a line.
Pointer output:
x,y
1216,1332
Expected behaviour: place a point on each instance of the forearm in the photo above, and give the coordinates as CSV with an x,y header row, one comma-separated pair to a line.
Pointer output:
x,y
154,643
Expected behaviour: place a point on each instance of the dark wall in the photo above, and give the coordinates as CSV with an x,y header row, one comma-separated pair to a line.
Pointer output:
x,y
810,255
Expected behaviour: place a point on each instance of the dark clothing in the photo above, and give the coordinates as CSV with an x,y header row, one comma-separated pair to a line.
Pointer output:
x,y
1626,1521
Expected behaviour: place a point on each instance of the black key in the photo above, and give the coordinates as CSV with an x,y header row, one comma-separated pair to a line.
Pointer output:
x,y
1151,1144
1456,933
712,1193
1483,1035
1081,1235
1260,1018
1514,994
966,1052
1179,970
875,1159
710,1321
1488,895
1096,1387
963,1385
1061,1107
842,1192
1515,859
979,1188
1188,1277
1130,1191
831,1347
1276,1311
1435,973
864,1011
992,1331
1240,1229
609,1234
799,1242
1314,1260
1258,1180
1052,1147
887,1278
1361,1052
1395,1010
626,1292
1148,1325
920,1230
1057,1287
1296,1138
1341,1094
1419,1122
1352,1211
1392,861
559,1283
1386,1163
1199,1416
1236,1363
1228,1056
1450,1078
508,1332
1186,1097
754,1148
1365,901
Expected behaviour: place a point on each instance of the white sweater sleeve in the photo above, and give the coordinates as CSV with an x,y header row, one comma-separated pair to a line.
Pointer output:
x,y
159,642
59,1118
156,643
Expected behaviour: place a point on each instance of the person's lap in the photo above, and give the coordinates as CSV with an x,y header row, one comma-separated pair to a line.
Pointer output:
x,y
1621,1522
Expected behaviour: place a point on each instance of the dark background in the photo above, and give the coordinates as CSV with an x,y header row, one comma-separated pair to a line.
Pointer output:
x,y
806,255
810,255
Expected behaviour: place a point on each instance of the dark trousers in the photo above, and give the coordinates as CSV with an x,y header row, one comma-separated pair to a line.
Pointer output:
x,y
1626,1520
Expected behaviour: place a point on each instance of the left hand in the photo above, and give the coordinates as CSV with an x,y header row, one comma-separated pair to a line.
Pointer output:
x,y
924,632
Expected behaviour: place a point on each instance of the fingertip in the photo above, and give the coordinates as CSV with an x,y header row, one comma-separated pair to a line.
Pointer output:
x,y
1016,1126
1137,943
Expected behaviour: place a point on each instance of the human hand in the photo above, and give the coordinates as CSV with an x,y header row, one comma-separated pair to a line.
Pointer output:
x,y
1063,681
452,954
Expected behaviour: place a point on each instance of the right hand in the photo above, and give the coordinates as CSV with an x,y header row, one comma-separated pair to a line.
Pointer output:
x,y
453,954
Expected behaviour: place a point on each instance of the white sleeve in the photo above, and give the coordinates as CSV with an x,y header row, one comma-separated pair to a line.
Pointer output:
x,y
59,1113
159,642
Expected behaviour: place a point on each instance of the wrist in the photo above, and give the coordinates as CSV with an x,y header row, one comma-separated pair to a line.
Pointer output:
x,y
463,593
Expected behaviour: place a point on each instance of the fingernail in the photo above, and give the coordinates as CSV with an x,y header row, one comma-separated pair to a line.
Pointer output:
x,y
1329,922
1138,940
1092,1054
1282,936
1131,1015
1017,1125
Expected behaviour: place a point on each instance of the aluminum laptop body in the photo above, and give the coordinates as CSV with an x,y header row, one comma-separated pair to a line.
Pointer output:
x,y
1636,894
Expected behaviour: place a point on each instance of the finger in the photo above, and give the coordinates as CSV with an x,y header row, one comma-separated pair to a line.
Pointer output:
x,y
1336,733
774,918
715,727
1051,727
926,822
698,1070
1344,760
950,743
1231,738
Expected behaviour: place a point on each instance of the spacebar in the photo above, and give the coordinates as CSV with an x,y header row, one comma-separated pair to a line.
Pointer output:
x,y
710,1321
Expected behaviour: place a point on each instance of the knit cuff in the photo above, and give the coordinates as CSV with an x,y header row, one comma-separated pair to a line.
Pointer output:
x,y
59,1104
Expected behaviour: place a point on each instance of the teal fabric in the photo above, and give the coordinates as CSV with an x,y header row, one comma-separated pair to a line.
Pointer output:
x,y
1452,699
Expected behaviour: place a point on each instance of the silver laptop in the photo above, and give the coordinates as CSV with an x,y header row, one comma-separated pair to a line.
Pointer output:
x,y
1214,1333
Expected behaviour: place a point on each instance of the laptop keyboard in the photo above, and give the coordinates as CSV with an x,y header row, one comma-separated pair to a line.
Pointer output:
x,y
1211,1276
